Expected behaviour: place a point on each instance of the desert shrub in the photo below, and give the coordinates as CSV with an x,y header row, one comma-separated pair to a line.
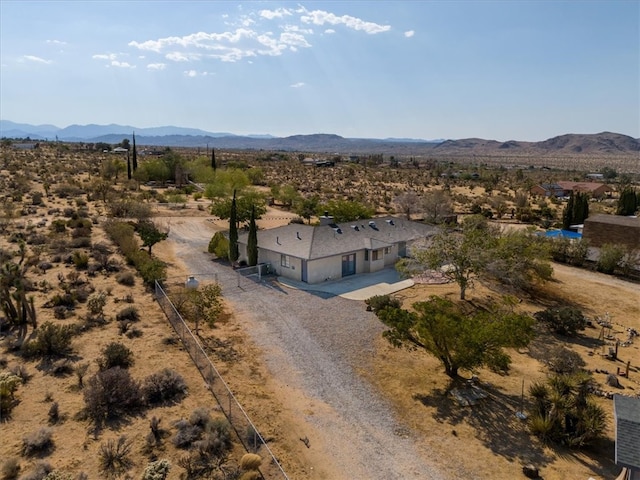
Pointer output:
x,y
10,469
58,226
563,360
21,372
128,314
40,471
96,303
609,258
54,413
51,341
114,458
164,386
37,442
60,312
186,434
62,367
379,302
9,383
564,320
65,300
216,440
110,393
219,245
81,370
115,355
250,461
80,259
44,266
157,470
126,278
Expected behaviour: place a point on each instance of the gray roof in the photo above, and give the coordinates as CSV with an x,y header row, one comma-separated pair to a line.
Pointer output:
x,y
626,411
614,220
309,242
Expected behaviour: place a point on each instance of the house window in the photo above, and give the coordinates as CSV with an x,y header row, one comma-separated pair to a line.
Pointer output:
x,y
387,250
284,261
375,254
366,255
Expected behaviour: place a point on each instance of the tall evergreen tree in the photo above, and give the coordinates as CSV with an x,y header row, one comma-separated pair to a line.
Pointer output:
x,y
567,213
233,231
128,167
252,241
628,202
213,159
135,154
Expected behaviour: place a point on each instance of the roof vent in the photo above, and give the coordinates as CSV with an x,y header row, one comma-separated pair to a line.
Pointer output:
x,y
390,222
298,236
355,227
337,229
372,224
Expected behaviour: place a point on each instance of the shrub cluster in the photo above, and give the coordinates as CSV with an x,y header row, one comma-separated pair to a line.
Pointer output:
x,y
164,386
123,235
380,302
564,320
115,355
37,442
51,341
110,393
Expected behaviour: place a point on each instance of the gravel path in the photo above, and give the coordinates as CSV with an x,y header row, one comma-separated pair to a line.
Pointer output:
x,y
318,345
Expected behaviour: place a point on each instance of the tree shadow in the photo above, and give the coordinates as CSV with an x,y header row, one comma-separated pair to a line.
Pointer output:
x,y
493,419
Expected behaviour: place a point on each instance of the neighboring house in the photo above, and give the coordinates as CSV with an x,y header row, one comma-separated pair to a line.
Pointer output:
x,y
626,412
547,190
330,251
613,229
595,189
119,150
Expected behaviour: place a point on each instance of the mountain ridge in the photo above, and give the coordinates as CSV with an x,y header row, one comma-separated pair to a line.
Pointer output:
x,y
572,144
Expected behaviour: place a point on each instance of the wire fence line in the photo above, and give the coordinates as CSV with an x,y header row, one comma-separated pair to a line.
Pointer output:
x,y
244,428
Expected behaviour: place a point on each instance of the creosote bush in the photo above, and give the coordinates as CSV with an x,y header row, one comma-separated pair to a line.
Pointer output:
x,y
51,341
378,302
111,393
115,355
164,386
129,314
126,278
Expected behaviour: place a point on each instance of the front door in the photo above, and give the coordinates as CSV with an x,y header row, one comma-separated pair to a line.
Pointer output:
x,y
348,264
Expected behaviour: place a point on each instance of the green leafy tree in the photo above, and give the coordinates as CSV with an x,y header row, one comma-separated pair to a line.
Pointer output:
x,y
244,204
347,210
252,241
458,339
307,207
609,258
460,255
628,202
233,231
564,320
219,245
150,234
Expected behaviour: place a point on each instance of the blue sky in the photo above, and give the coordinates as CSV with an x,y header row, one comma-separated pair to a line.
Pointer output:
x,y
420,69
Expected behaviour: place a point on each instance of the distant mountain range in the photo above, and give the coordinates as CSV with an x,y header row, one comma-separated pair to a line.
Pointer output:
x,y
570,144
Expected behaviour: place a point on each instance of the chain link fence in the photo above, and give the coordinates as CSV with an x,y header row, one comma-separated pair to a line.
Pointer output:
x,y
245,430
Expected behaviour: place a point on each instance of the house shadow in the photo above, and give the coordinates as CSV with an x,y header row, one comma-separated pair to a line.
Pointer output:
x,y
493,419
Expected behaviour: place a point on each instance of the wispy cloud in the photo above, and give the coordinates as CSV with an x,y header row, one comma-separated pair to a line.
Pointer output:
x,y
157,66
254,34
105,56
297,85
409,33
320,17
191,73
33,58
56,42
117,64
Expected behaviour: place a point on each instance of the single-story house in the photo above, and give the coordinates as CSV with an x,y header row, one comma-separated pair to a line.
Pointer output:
x,y
547,190
119,150
595,189
614,229
330,251
626,412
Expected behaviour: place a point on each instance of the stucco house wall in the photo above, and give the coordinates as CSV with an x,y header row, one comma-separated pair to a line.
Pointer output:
x,y
613,229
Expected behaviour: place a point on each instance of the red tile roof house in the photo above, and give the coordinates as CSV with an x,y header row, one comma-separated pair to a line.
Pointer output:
x,y
330,251
595,189
547,190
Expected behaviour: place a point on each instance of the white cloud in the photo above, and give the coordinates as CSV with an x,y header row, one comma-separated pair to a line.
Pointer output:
x,y
297,85
278,13
101,56
116,63
33,58
409,33
329,31
320,17
182,57
157,66
56,42
191,73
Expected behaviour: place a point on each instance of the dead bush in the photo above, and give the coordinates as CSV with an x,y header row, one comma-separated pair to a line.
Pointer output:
x,y
164,386
37,442
10,469
39,472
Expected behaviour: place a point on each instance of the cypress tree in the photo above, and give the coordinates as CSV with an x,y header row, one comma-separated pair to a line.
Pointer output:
x,y
567,213
128,167
233,231
628,202
252,241
213,159
135,153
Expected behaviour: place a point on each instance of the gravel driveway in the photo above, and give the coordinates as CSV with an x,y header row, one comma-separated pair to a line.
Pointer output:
x,y
318,345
